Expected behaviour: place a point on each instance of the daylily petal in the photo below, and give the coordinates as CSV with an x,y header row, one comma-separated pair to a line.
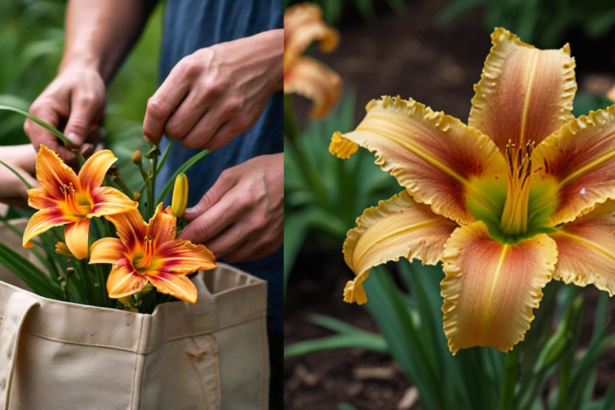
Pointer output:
x,y
39,198
441,161
313,80
42,221
93,172
130,228
107,250
76,235
490,289
586,249
124,281
395,228
176,285
578,163
304,24
162,226
181,256
53,174
109,201
524,93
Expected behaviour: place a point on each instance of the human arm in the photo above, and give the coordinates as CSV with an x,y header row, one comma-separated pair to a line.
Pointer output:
x,y
242,216
22,158
218,92
99,35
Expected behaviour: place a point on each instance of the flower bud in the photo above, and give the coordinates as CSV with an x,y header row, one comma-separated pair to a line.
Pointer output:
x,y
62,249
136,157
136,195
180,195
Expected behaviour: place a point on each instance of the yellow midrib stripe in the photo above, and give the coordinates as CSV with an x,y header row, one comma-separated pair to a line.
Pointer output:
x,y
498,269
407,229
528,95
600,160
419,152
588,243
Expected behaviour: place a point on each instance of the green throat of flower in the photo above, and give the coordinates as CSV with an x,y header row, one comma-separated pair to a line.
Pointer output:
x,y
522,208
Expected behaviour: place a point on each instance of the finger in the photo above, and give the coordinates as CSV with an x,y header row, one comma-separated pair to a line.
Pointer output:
x,y
225,182
84,111
184,118
39,135
215,219
232,238
256,251
162,104
222,136
200,135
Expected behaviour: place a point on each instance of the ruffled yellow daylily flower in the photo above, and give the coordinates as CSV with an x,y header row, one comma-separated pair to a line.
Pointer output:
x,y
303,24
520,196
67,199
150,252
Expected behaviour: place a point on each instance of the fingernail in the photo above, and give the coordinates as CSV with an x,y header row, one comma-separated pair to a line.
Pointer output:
x,y
75,139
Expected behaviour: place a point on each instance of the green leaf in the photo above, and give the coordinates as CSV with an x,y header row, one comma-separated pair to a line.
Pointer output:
x,y
40,283
181,170
348,337
346,406
406,343
40,122
17,174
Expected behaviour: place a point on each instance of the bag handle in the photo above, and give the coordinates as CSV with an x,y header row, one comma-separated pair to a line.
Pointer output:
x,y
15,314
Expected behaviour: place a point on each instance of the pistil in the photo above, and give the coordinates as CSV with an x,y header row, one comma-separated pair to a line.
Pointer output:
x,y
515,215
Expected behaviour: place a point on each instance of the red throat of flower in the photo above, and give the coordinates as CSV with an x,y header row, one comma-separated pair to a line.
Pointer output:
x,y
519,161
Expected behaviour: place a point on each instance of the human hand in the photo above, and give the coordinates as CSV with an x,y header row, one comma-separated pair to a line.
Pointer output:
x,y
22,158
217,93
76,98
242,216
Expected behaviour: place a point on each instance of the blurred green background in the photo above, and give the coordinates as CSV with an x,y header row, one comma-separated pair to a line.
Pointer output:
x,y
31,43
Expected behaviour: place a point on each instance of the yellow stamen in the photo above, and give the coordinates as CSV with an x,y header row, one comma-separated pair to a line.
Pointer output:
x,y
515,216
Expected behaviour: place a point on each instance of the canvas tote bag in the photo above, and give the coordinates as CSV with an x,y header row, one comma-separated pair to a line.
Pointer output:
x,y
211,355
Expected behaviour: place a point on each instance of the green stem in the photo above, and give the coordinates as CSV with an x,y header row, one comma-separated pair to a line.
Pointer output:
x,y
80,157
183,169
18,175
123,186
509,379
153,155
40,122
164,156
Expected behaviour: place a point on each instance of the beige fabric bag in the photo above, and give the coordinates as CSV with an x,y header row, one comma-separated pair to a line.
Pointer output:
x,y
212,355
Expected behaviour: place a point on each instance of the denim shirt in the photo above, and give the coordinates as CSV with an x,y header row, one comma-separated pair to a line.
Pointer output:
x,y
190,25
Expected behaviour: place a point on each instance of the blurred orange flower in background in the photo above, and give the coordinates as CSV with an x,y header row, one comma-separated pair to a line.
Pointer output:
x,y
303,24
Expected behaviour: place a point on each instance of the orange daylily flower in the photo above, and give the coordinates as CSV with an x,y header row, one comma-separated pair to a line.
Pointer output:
x,y
522,195
67,199
303,23
150,252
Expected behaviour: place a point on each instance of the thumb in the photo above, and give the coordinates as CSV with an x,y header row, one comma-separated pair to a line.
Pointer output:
x,y
82,115
223,184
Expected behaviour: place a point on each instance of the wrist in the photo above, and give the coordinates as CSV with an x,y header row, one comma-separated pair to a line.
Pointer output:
x,y
80,63
272,48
